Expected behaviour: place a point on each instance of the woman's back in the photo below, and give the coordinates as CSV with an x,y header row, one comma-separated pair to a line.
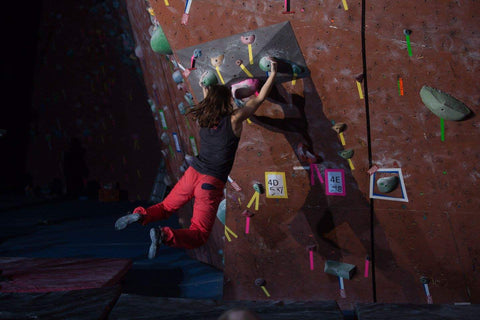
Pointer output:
x,y
218,146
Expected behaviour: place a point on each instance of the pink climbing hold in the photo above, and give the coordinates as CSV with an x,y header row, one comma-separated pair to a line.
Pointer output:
x,y
245,88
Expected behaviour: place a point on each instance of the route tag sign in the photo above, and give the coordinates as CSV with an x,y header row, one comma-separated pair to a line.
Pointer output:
x,y
276,185
335,182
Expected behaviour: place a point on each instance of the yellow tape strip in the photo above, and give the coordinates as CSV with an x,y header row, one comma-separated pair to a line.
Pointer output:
x,y
294,80
166,3
220,75
246,71
228,237
230,231
350,163
250,55
266,292
255,196
345,5
360,91
342,139
249,121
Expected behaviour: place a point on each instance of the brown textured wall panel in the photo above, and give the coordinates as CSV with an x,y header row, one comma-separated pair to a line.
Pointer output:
x,y
427,236
440,175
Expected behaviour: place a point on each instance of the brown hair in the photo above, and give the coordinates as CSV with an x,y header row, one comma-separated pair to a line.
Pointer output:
x,y
216,105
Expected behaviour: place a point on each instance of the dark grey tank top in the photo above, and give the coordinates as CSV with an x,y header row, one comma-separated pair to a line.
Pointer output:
x,y
218,146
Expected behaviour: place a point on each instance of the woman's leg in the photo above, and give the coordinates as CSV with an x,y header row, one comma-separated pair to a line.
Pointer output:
x,y
208,194
181,193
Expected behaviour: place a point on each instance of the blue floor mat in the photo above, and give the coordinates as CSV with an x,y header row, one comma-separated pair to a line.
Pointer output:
x,y
85,228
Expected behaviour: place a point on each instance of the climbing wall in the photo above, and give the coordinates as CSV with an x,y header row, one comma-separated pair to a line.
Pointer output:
x,y
433,235
362,67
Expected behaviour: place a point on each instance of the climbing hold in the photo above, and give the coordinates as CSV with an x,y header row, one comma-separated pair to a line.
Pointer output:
x,y
217,61
177,77
245,88
208,78
159,42
407,32
443,105
153,108
259,188
340,269
197,53
387,184
260,282
181,108
221,211
339,127
264,64
296,69
247,213
189,98
139,52
248,39
360,77
346,154
424,280
283,66
165,138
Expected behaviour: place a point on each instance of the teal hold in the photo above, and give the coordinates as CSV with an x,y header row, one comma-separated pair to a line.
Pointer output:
x,y
221,211
159,42
264,64
346,154
387,184
443,105
208,78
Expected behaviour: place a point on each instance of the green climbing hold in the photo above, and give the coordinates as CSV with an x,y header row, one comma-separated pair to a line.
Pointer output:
x,y
296,69
208,78
258,187
264,64
159,42
346,154
443,105
387,184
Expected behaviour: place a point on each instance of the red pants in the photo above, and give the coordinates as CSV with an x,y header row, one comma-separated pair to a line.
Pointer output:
x,y
208,192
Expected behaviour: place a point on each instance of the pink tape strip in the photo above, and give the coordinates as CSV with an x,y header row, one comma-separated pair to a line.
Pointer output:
x,y
192,62
247,226
311,259
318,173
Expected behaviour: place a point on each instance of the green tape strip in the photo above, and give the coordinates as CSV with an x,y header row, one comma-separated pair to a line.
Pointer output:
x,y
194,146
442,129
409,47
171,151
399,90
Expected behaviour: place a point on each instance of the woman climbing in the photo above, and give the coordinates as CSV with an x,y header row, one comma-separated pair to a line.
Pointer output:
x,y
220,130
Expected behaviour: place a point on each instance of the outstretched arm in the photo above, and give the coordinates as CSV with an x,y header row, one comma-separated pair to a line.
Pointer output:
x,y
253,104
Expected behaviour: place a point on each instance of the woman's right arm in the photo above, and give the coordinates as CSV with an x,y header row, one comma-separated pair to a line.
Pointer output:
x,y
254,103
